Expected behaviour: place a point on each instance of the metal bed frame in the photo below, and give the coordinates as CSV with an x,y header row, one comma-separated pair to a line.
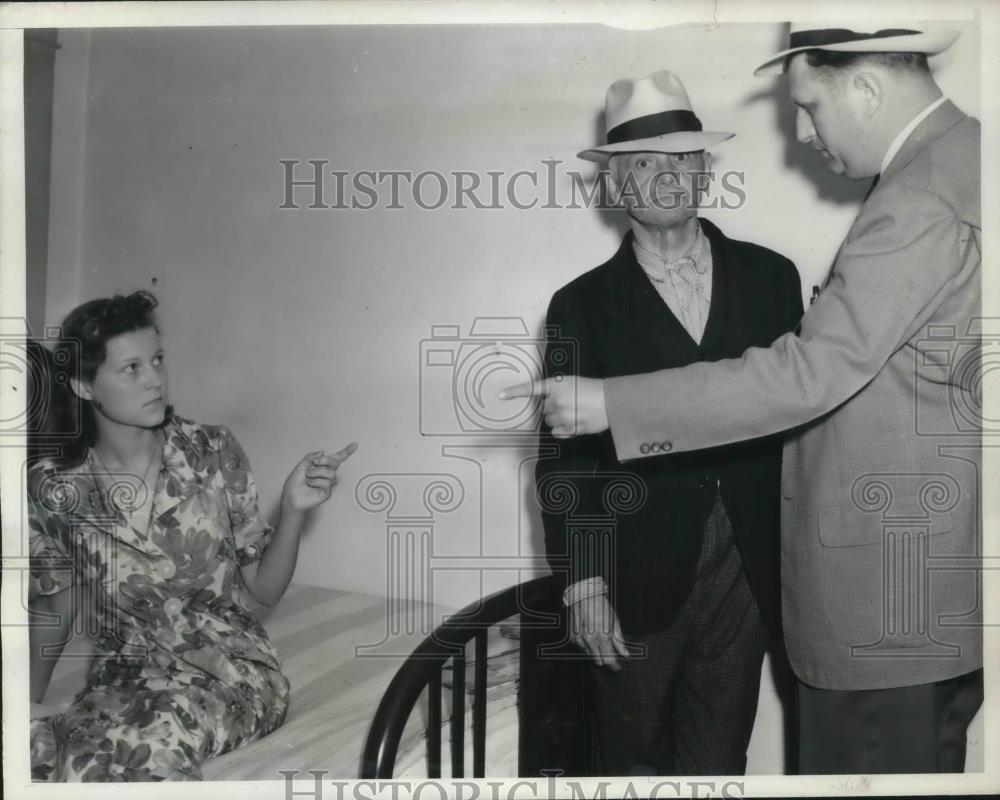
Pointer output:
x,y
537,601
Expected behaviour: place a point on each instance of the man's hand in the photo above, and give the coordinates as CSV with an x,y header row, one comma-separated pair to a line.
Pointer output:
x,y
594,628
573,405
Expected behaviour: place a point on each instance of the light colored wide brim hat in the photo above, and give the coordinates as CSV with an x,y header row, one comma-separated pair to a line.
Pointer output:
x,y
878,37
651,114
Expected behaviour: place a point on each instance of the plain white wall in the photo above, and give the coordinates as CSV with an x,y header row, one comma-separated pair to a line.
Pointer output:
x,y
302,328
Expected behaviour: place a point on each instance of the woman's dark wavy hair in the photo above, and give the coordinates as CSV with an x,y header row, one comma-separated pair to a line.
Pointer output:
x,y
44,425
80,351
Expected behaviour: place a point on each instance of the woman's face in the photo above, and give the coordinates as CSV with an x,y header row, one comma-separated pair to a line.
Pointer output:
x,y
130,387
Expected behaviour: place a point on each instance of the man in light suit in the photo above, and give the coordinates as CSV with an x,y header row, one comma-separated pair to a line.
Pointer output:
x,y
879,395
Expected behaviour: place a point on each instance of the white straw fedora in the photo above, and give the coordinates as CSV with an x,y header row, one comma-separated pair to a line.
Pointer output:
x,y
651,114
872,38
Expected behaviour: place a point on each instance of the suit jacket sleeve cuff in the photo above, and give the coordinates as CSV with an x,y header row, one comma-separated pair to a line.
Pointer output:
x,y
626,418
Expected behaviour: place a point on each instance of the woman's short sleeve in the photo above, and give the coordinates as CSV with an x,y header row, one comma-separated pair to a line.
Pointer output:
x,y
50,563
250,532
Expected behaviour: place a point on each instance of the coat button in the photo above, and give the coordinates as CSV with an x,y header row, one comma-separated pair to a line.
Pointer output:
x,y
173,606
167,569
667,446
656,447
644,448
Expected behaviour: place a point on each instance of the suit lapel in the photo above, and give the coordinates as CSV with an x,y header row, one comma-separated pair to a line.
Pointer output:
x,y
713,339
940,120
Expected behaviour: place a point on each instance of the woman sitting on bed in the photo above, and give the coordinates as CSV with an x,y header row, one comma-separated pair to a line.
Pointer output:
x,y
152,520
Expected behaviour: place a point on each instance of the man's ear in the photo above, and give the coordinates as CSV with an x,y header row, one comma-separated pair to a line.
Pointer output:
x,y
81,388
871,90
707,157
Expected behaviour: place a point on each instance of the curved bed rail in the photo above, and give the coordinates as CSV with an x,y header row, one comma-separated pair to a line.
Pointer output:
x,y
422,669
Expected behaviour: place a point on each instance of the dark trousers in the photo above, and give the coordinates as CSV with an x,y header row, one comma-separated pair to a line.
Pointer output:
x,y
910,729
687,707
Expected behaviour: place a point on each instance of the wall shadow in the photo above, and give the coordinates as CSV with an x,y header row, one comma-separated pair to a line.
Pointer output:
x,y
611,216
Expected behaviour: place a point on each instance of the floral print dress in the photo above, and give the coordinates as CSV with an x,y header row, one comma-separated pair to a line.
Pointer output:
x,y
183,671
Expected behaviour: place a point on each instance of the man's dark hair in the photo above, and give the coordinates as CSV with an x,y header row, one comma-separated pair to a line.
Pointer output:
x,y
833,62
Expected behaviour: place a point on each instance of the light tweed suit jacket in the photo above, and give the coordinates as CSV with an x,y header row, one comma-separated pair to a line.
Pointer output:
x,y
879,395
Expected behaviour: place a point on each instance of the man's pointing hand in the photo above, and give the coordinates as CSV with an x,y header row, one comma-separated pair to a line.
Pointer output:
x,y
573,406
